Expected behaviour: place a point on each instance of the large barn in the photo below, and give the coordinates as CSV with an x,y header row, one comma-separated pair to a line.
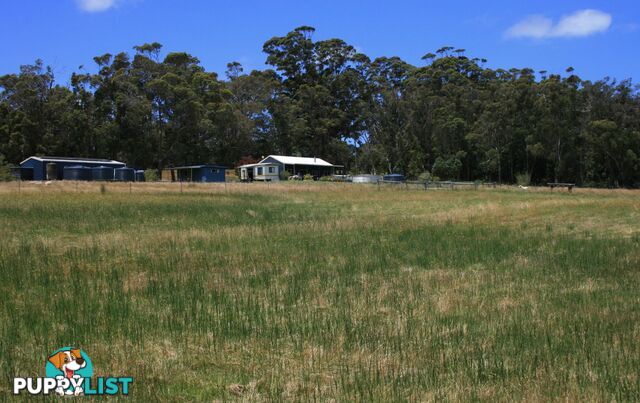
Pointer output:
x,y
52,168
272,167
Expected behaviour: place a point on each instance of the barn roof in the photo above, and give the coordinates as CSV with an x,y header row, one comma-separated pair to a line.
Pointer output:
x,y
74,160
299,160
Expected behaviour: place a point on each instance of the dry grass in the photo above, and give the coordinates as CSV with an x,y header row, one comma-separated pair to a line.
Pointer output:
x,y
326,291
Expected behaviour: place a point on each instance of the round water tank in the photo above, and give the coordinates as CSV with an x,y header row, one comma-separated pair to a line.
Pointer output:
x,y
52,171
76,173
394,178
102,173
124,174
140,176
365,179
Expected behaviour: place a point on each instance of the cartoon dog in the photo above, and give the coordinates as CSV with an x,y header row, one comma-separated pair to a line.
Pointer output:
x,y
68,362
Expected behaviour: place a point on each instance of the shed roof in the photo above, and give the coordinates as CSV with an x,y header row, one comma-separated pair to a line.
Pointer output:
x,y
198,166
299,160
74,159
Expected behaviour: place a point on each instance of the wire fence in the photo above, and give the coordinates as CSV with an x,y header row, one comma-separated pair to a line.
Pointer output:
x,y
436,185
227,187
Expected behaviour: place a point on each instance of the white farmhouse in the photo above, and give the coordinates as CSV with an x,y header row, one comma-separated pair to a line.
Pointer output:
x,y
272,167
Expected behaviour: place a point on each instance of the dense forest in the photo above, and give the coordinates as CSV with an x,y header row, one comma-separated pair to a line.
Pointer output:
x,y
451,117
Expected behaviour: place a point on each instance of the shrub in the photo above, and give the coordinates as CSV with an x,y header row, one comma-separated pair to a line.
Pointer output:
x,y
448,169
150,175
284,175
231,177
326,178
308,177
425,176
523,179
5,171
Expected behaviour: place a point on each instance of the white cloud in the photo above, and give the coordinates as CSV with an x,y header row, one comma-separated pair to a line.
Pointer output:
x,y
583,23
95,6
579,24
535,26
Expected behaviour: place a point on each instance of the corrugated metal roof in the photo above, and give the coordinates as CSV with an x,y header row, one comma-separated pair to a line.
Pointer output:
x,y
299,160
198,166
73,159
258,164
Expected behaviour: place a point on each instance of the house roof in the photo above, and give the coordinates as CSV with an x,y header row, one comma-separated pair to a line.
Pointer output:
x,y
299,160
74,159
258,164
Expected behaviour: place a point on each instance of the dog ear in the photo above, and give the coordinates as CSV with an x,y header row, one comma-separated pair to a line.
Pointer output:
x,y
76,353
56,360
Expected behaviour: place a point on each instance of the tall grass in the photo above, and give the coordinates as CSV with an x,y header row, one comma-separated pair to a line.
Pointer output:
x,y
345,293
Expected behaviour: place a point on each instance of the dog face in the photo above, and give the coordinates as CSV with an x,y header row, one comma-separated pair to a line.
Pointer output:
x,y
68,361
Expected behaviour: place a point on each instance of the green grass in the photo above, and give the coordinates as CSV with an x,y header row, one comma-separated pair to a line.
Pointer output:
x,y
333,292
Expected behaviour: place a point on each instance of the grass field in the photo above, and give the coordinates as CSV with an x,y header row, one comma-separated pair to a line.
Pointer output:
x,y
326,291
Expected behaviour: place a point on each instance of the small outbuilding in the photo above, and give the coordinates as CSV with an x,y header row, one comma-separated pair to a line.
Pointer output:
x,y
53,168
393,178
197,173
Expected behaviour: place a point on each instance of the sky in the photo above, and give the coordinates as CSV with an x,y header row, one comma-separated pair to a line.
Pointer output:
x,y
598,38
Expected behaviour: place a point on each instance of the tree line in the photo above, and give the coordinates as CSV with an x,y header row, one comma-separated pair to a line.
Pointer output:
x,y
451,117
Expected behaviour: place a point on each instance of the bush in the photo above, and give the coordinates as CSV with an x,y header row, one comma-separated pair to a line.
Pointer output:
x,y
150,175
326,178
425,176
231,177
523,179
308,177
5,171
448,169
284,175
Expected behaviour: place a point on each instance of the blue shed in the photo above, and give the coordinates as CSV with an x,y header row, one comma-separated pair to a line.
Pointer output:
x,y
393,178
57,165
200,173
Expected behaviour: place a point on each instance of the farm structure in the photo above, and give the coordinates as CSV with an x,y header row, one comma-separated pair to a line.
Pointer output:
x,y
54,168
272,167
195,173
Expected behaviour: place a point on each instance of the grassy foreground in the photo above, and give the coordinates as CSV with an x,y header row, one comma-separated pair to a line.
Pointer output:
x,y
323,291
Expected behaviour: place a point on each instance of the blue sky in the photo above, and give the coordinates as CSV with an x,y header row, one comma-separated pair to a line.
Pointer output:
x,y
597,38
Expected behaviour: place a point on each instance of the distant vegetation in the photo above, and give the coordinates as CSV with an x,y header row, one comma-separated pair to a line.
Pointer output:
x,y
451,117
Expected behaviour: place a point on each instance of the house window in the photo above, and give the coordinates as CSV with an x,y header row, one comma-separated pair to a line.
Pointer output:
x,y
259,170
215,170
271,170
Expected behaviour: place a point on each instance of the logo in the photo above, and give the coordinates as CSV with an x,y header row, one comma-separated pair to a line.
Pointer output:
x,y
69,371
